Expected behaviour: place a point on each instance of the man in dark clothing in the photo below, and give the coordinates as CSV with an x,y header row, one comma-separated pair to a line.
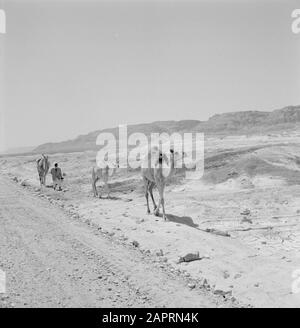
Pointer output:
x,y
57,176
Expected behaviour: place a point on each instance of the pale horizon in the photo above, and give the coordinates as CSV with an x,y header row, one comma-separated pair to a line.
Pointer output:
x,y
137,123
71,68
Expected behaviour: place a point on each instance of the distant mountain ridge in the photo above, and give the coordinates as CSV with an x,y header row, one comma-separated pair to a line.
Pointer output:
x,y
244,122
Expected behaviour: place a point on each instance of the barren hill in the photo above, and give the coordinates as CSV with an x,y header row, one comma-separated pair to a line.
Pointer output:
x,y
244,122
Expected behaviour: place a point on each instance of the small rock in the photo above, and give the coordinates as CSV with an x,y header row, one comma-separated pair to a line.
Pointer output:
x,y
246,212
160,253
189,257
135,243
205,282
191,286
223,292
226,275
247,220
218,232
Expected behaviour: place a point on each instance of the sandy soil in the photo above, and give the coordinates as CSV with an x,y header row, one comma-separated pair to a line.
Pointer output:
x,y
250,193
52,260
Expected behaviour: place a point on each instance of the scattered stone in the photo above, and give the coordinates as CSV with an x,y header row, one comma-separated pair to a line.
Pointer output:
x,y
238,275
246,212
218,232
226,274
191,286
189,257
205,282
223,293
160,253
247,220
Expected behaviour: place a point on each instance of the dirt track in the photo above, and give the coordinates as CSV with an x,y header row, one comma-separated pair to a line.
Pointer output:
x,y
53,261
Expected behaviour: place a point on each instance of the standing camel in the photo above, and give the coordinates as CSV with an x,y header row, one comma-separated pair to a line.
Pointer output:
x,y
99,173
153,174
43,166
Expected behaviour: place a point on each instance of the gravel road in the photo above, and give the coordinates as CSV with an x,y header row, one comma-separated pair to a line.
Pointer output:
x,y
52,260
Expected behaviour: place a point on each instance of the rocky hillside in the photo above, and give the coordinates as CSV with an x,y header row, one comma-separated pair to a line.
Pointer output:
x,y
246,122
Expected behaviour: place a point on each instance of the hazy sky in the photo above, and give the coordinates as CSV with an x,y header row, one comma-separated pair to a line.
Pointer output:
x,y
71,67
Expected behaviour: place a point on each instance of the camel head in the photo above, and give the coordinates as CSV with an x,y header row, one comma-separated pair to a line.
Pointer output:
x,y
177,158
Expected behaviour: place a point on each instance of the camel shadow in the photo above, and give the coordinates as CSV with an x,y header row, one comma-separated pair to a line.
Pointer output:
x,y
187,220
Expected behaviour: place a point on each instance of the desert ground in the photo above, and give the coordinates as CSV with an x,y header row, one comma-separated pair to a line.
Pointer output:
x,y
242,217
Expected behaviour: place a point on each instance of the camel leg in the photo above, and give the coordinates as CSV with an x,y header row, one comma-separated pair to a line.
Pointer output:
x,y
161,202
95,187
163,207
146,185
107,190
41,180
147,199
156,211
151,194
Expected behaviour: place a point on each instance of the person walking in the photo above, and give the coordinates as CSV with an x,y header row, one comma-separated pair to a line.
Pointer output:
x,y
57,177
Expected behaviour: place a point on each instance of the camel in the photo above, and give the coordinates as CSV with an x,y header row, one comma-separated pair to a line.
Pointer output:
x,y
43,166
99,173
154,175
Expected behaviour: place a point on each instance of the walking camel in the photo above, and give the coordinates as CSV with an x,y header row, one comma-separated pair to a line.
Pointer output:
x,y
43,166
156,170
99,173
